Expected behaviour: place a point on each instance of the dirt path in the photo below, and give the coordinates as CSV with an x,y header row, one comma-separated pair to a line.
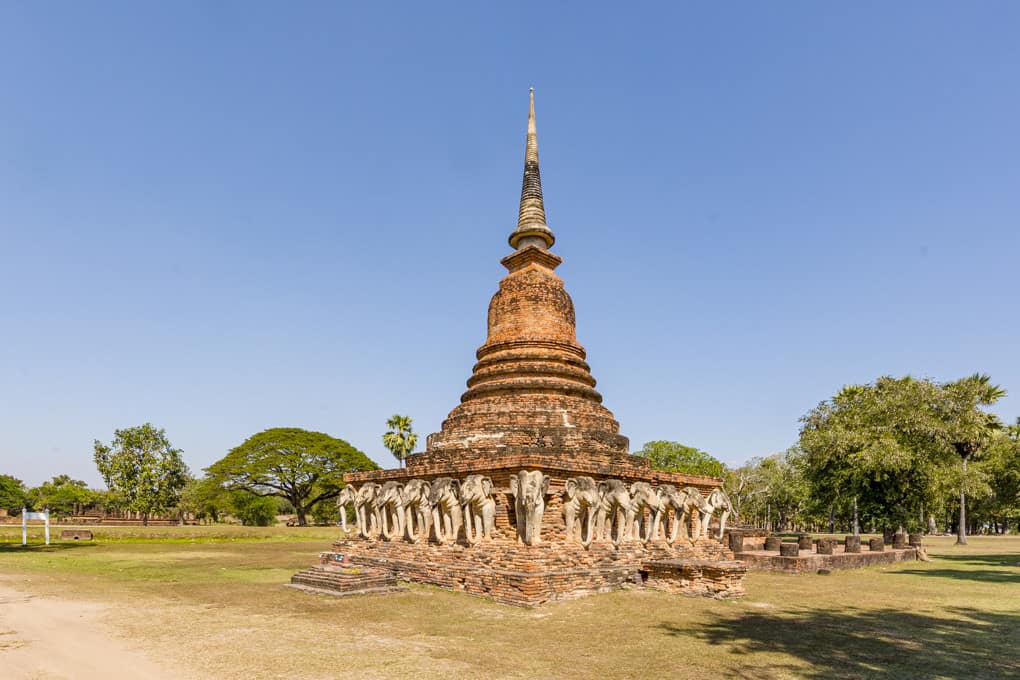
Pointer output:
x,y
47,638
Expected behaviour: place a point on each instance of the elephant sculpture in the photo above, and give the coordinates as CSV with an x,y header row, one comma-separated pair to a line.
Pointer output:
x,y
643,497
479,508
417,510
580,509
390,506
444,497
680,501
717,500
614,499
366,510
696,500
529,490
348,496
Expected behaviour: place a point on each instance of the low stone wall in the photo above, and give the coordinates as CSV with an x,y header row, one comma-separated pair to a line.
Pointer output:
x,y
517,574
805,562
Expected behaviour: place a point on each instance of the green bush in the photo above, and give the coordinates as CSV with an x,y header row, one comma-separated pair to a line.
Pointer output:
x,y
252,510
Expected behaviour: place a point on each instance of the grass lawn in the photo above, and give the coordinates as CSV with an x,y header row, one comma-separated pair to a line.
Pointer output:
x,y
209,601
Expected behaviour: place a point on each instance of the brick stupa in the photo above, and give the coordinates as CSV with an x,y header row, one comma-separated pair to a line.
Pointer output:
x,y
531,404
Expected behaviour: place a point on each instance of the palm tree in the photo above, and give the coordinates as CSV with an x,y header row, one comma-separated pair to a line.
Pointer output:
x,y
399,439
970,428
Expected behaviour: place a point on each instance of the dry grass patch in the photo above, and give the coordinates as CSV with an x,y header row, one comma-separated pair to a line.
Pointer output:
x,y
226,614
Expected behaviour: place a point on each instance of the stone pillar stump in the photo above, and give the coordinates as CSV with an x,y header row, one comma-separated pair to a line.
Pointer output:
x,y
736,541
853,544
915,540
876,544
826,545
772,543
789,550
805,543
899,541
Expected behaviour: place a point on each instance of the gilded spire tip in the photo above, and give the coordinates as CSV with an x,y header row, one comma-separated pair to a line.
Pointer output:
x,y
531,227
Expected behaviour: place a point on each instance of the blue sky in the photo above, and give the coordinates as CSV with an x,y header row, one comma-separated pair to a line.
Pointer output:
x,y
224,217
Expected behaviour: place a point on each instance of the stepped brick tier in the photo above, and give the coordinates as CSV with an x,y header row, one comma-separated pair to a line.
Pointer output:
x,y
527,493
334,579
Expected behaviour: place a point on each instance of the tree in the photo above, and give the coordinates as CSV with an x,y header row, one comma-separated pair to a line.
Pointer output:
x,y
204,498
142,468
772,492
251,509
900,445
969,431
675,457
301,466
62,495
399,439
12,493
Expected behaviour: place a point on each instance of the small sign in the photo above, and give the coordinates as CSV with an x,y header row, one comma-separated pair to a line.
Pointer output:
x,y
338,557
35,515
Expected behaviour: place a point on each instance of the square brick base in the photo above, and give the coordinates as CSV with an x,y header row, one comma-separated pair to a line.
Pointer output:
x,y
522,575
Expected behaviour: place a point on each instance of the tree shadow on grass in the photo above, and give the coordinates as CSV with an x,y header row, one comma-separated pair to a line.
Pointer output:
x,y
1003,560
982,575
856,643
992,568
41,547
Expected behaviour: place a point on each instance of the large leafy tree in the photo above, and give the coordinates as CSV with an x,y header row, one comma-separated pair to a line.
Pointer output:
x,y
676,457
399,439
301,466
898,445
12,493
141,467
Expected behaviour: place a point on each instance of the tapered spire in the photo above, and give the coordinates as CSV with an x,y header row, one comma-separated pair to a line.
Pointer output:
x,y
531,227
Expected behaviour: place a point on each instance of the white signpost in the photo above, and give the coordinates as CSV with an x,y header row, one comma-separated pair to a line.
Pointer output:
x,y
25,516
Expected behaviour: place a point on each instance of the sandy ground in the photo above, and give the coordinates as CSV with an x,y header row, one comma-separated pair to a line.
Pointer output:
x,y
47,638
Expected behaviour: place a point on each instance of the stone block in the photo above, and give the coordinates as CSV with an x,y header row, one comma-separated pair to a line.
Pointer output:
x,y
789,550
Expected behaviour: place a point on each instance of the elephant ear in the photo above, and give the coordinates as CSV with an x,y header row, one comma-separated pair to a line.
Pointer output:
x,y
455,485
486,486
570,488
603,488
514,485
662,493
545,485
633,488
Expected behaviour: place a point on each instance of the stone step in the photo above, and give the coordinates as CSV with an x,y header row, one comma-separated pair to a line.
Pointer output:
x,y
334,581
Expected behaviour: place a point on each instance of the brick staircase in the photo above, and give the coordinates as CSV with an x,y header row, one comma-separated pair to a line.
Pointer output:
x,y
334,580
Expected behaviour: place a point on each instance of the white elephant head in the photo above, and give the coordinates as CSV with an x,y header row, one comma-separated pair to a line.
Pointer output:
x,y
478,506
580,508
365,507
644,498
696,501
444,497
390,505
417,510
529,490
680,502
348,496
614,501
717,500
